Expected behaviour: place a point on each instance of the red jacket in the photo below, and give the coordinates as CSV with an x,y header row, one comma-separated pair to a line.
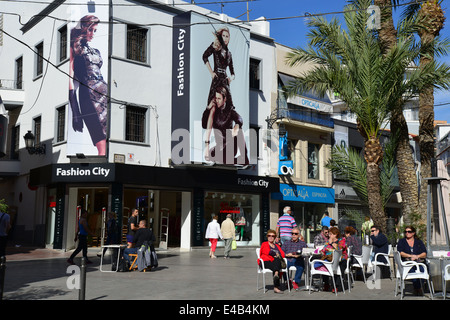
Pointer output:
x,y
264,252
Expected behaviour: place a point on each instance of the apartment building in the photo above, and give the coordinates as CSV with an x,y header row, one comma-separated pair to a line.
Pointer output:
x,y
114,100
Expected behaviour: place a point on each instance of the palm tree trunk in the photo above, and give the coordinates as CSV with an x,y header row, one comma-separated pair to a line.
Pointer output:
x,y
434,16
373,154
405,166
405,161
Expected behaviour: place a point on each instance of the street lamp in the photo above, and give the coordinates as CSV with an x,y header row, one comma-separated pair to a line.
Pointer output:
x,y
29,144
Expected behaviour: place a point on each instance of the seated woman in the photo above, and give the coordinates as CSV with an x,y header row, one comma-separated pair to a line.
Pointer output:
x,y
271,253
335,242
411,248
352,240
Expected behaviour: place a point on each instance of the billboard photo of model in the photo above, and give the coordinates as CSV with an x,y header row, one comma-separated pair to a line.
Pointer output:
x,y
220,115
88,91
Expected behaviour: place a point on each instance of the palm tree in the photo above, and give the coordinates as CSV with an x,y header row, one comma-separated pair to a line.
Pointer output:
x,y
406,167
369,80
348,164
432,17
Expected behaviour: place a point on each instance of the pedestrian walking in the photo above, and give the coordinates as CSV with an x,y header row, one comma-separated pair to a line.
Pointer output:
x,y
229,234
81,235
213,234
5,226
285,225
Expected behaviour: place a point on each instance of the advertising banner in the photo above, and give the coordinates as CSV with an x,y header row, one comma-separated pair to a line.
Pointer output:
x,y
210,92
88,70
3,129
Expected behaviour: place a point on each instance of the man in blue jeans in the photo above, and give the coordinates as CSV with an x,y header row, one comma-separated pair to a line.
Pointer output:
x,y
293,250
143,234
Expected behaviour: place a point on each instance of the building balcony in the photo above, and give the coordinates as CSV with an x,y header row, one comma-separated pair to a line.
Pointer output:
x,y
12,94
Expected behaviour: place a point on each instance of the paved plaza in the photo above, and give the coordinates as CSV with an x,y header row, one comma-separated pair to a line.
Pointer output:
x,y
43,274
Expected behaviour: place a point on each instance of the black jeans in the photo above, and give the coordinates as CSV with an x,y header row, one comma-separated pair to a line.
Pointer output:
x,y
274,265
82,245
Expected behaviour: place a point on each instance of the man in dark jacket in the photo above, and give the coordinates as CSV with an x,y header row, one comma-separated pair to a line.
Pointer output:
x,y
379,242
143,234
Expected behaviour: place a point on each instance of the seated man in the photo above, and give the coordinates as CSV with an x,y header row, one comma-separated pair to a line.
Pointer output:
x,y
380,244
142,235
293,250
321,238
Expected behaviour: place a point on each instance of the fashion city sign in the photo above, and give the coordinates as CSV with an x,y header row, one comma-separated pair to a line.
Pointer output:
x,y
253,182
83,172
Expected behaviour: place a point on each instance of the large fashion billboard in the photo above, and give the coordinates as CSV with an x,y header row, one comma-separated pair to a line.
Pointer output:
x,y
210,91
88,70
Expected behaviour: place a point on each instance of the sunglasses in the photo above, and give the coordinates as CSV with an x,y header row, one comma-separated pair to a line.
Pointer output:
x,y
295,233
270,236
409,231
373,230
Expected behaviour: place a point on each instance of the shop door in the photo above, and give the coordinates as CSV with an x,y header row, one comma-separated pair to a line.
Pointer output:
x,y
93,200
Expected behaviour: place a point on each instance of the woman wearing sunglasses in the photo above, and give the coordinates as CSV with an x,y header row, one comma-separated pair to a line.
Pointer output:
x,y
411,248
271,253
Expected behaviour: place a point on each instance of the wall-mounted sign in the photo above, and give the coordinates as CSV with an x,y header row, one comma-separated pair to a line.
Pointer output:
x,y
210,91
286,168
95,172
295,192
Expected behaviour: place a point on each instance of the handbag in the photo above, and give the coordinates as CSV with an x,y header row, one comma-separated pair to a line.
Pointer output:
x,y
283,263
233,245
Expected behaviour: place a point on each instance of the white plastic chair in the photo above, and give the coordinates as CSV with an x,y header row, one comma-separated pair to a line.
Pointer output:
x,y
446,278
376,263
362,260
403,273
348,268
332,269
262,270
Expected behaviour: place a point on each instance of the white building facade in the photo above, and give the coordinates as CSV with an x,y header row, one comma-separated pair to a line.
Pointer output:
x,y
144,71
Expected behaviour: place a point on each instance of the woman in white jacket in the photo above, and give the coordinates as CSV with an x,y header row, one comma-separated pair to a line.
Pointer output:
x,y
213,234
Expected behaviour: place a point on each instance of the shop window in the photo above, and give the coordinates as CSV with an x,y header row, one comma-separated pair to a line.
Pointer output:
x,y
15,139
313,161
255,74
19,73
39,49
62,45
137,43
135,124
37,130
60,123
244,209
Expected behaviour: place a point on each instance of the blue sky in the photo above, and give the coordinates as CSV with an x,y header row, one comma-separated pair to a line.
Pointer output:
x,y
292,32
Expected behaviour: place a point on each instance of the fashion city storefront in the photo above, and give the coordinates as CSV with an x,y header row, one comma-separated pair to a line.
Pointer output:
x,y
308,204
178,203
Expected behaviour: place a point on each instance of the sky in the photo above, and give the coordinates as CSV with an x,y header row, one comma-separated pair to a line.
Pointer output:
x,y
293,30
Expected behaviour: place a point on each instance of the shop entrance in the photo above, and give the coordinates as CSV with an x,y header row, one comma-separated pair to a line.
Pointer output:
x,y
94,200
307,216
160,208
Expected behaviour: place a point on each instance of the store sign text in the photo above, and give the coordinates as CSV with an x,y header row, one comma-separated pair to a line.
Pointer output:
x,y
254,183
78,172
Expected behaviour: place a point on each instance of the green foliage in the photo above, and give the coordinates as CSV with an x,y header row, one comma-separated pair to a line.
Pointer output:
x,y
3,206
350,165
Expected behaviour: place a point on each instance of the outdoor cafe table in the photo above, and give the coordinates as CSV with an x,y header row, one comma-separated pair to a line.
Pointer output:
x,y
307,253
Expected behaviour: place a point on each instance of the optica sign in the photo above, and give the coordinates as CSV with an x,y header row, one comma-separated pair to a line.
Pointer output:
x,y
304,194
